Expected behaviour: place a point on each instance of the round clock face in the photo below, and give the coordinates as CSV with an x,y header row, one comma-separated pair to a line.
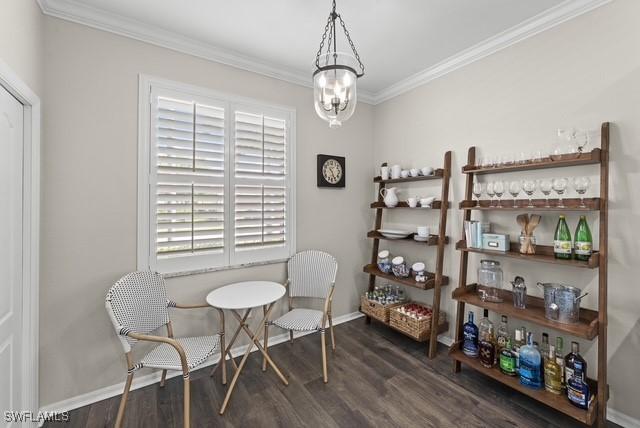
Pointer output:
x,y
332,171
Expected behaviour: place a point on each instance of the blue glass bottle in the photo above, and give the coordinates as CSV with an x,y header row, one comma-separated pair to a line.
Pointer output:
x,y
470,344
530,361
577,389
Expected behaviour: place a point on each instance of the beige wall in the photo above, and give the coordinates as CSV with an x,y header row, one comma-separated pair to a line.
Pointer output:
x,y
578,74
21,40
89,196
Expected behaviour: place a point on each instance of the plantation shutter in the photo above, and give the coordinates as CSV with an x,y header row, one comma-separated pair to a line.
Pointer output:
x,y
188,170
260,197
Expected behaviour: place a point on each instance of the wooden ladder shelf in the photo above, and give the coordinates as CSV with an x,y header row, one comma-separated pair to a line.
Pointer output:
x,y
592,324
435,280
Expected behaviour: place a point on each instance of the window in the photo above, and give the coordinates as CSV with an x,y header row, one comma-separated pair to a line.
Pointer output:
x,y
216,182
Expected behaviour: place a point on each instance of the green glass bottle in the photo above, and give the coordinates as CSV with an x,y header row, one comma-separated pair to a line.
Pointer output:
x,y
562,240
583,245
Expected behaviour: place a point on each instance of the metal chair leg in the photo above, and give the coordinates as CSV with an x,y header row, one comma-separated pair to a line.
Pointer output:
x,y
123,400
163,378
291,336
187,402
324,356
333,339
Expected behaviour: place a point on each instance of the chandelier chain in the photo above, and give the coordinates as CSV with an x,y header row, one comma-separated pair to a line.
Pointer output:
x,y
353,47
324,37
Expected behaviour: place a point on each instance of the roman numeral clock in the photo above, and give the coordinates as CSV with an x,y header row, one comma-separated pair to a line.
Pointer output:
x,y
331,171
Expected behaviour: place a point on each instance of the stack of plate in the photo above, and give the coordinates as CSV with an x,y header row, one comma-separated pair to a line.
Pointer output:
x,y
394,233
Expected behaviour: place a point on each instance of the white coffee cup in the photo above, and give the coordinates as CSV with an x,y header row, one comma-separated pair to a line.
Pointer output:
x,y
413,202
423,231
414,172
384,172
395,171
427,170
404,173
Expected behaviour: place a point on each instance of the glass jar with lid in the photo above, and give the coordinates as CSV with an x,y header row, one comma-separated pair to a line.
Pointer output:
x,y
490,278
384,261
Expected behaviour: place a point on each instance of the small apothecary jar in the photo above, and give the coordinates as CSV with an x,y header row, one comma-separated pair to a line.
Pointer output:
x,y
490,276
384,261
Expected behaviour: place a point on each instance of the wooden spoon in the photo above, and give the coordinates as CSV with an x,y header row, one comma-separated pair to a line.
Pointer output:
x,y
523,221
534,221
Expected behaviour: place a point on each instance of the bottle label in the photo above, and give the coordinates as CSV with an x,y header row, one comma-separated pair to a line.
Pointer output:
x,y
530,373
507,364
583,248
577,396
568,374
562,247
470,346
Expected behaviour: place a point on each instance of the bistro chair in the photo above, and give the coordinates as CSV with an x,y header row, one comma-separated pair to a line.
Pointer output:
x,y
311,274
137,305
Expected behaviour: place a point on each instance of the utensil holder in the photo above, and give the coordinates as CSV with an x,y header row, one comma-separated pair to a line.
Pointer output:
x,y
527,244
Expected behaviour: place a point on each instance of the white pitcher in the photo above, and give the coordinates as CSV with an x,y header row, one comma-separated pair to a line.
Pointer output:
x,y
390,196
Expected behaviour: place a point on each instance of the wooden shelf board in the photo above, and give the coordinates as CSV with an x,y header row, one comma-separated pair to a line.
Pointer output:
x,y
570,204
586,327
437,174
380,205
592,157
433,239
557,401
544,254
372,269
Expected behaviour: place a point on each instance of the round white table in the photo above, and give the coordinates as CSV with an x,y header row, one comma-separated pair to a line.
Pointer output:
x,y
247,296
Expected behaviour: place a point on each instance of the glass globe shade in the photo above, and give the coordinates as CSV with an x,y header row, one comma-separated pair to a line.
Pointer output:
x,y
335,88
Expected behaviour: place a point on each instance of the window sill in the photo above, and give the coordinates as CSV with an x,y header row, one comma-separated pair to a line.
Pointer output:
x,y
222,268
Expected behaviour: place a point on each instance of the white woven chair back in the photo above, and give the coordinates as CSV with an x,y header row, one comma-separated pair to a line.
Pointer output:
x,y
137,303
311,274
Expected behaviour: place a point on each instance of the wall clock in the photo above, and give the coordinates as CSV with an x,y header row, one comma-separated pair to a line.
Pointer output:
x,y
331,171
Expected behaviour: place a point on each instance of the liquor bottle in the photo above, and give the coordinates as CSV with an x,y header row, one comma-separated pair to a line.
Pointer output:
x,y
583,244
552,372
577,389
560,360
487,342
544,348
517,344
470,344
530,360
569,363
508,360
562,240
503,333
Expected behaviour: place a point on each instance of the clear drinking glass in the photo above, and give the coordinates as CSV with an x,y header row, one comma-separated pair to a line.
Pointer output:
x,y
490,193
529,187
514,190
546,186
581,185
559,186
498,187
477,192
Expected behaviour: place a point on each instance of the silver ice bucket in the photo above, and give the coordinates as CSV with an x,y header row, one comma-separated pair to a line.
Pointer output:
x,y
561,302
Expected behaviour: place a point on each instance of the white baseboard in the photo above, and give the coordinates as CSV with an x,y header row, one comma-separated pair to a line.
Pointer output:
x,y
149,379
621,419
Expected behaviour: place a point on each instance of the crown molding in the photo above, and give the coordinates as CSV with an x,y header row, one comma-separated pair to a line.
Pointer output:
x,y
75,11
563,12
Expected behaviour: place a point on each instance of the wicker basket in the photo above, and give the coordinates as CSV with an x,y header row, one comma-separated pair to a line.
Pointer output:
x,y
376,310
417,329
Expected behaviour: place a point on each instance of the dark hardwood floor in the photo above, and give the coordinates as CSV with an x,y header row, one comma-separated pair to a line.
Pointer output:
x,y
377,377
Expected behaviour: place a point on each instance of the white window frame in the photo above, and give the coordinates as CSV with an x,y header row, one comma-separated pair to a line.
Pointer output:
x,y
146,257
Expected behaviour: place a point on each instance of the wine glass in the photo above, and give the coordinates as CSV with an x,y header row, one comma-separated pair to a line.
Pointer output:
x,y
477,192
545,187
514,190
490,193
559,186
498,187
529,187
581,185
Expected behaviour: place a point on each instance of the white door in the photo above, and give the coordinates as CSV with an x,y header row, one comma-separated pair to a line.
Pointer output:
x,y
11,169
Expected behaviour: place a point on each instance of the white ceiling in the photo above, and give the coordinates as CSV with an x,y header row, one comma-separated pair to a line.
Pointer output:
x,y
396,39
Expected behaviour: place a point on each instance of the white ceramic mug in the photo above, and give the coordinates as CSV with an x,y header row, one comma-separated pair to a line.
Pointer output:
x,y
427,170
404,173
414,172
395,171
426,202
423,231
413,202
384,172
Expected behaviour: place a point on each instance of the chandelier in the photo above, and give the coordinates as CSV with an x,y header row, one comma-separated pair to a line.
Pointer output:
x,y
334,80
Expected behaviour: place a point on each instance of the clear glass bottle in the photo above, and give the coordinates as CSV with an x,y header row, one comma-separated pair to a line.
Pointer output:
x,y
508,360
530,362
517,344
490,277
544,348
577,389
560,359
470,343
503,333
570,360
552,372
487,341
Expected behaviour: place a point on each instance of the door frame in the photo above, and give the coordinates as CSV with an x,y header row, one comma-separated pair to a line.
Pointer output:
x,y
10,81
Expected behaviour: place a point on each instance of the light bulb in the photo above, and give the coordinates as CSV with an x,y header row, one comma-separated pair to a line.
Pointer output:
x,y
322,81
346,80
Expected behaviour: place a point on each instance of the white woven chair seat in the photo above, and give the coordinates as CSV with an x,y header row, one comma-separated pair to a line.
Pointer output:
x,y
300,320
197,350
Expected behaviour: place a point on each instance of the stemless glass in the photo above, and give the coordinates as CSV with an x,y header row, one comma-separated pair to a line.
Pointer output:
x,y
477,192
490,193
498,187
545,187
581,185
514,190
559,186
529,187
